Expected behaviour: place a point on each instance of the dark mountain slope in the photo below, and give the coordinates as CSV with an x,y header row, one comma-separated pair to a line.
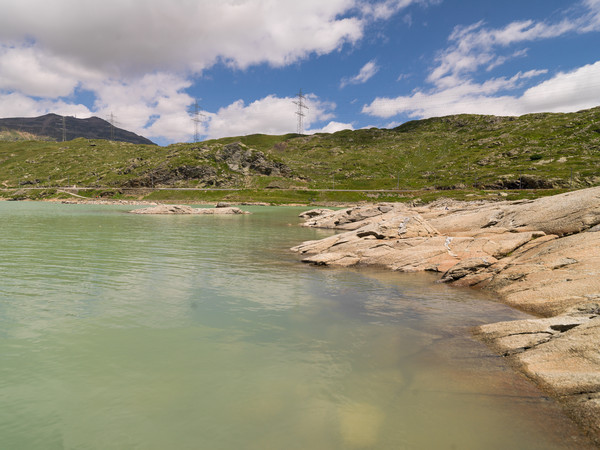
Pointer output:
x,y
57,127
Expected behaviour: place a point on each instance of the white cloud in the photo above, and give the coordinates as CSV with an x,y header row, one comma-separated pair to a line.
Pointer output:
x,y
364,75
565,92
391,125
159,97
269,115
332,127
31,72
594,16
177,127
137,56
130,38
18,105
475,46
156,106
387,8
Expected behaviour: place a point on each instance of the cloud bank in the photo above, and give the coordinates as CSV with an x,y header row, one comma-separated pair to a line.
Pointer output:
x,y
269,115
475,49
138,57
129,38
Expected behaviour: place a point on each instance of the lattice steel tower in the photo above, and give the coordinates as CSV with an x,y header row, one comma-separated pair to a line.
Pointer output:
x,y
112,126
196,118
299,112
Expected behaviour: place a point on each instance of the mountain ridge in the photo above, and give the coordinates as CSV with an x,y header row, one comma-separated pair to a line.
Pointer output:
x,y
67,128
458,153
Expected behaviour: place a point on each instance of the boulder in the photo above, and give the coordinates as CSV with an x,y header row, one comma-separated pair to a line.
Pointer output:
x,y
394,226
319,212
351,218
466,267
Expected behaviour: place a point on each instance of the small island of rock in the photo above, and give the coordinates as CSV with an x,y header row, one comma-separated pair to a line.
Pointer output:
x,y
184,209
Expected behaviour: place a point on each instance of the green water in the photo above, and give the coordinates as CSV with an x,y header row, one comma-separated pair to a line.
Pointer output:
x,y
122,331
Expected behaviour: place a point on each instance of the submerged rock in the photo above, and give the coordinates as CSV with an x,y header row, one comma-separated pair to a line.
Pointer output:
x,y
542,256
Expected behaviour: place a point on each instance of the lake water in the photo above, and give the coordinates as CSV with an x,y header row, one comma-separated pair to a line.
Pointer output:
x,y
123,331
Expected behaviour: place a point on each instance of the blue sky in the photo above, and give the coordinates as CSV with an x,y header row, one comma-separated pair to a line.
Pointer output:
x,y
360,63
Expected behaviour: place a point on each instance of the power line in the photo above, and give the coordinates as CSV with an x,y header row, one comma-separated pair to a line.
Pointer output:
x,y
112,126
196,118
299,111
62,125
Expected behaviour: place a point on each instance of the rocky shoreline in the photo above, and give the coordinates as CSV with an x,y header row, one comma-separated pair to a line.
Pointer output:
x,y
188,210
541,256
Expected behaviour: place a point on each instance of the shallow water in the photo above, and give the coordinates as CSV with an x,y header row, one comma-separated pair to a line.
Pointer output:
x,y
153,332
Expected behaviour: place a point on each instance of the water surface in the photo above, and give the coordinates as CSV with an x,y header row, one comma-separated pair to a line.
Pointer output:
x,y
205,332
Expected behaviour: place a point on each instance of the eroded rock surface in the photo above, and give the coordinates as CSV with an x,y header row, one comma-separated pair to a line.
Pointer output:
x,y
240,158
546,277
184,209
562,214
542,256
561,354
351,218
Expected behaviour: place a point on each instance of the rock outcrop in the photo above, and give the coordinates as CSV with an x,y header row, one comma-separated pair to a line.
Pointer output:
x,y
184,209
206,174
547,276
240,158
351,218
562,214
542,256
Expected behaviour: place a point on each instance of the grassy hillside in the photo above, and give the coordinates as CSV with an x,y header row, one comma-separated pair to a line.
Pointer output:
x,y
16,135
454,152
540,150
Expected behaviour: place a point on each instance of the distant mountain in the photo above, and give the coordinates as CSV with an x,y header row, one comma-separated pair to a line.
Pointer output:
x,y
67,128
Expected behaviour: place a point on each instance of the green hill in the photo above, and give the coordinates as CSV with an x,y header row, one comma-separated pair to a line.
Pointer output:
x,y
535,151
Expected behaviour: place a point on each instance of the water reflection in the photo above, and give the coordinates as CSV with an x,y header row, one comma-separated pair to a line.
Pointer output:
x,y
125,331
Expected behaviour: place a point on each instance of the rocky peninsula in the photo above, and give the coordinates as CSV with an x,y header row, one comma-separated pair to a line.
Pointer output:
x,y
541,256
185,209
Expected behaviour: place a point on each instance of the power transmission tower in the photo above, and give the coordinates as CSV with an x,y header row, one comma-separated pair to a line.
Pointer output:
x,y
299,112
64,129
112,126
196,118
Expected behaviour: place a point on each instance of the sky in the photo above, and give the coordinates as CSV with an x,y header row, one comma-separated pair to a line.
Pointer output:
x,y
358,64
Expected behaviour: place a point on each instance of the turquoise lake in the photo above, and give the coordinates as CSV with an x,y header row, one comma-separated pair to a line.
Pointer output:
x,y
123,331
